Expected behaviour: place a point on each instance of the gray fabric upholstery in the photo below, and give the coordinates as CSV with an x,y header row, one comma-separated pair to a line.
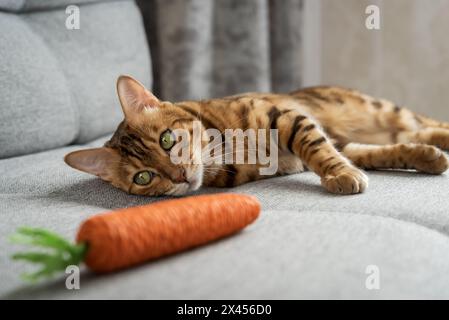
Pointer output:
x,y
29,5
306,244
57,87
36,108
45,101
205,48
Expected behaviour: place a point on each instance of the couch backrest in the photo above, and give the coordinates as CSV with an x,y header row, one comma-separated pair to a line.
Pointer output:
x,y
30,5
57,86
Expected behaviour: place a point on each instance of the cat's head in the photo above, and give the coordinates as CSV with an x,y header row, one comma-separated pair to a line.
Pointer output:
x,y
137,157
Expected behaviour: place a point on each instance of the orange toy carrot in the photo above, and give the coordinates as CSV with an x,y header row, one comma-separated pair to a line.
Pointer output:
x,y
126,237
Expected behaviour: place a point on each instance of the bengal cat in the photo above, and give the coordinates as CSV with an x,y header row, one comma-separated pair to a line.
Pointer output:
x,y
334,132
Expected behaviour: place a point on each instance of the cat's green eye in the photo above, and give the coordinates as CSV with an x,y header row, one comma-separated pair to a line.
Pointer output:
x,y
167,140
142,178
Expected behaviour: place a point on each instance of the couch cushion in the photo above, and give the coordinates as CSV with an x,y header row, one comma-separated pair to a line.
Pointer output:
x,y
66,78
307,243
284,255
36,109
28,5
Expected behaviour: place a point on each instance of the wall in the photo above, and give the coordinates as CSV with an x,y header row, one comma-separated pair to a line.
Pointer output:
x,y
407,60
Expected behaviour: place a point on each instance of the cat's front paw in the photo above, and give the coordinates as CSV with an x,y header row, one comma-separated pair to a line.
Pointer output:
x,y
430,159
346,181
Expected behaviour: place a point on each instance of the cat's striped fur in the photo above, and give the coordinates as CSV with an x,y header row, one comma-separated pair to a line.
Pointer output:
x,y
332,131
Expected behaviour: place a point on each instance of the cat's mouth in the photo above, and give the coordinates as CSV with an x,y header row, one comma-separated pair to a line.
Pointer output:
x,y
194,178
194,184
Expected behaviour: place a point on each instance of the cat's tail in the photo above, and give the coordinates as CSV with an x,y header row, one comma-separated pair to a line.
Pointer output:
x,y
431,123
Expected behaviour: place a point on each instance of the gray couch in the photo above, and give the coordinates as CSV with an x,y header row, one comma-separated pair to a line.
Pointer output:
x,y
57,95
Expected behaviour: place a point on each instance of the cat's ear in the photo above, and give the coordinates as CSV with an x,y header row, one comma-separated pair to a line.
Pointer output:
x,y
95,161
134,97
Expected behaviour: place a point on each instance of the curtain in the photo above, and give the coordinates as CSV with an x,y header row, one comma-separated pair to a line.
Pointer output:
x,y
212,48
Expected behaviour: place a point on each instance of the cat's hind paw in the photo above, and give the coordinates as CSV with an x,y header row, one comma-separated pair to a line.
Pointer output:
x,y
430,159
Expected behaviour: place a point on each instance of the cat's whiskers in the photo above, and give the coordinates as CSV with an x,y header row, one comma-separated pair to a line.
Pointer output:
x,y
212,159
218,170
178,189
209,150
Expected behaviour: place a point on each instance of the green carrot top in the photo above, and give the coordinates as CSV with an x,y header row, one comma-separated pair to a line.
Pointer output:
x,y
58,252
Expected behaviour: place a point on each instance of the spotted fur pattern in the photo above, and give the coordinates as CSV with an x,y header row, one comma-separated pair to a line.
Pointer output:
x,y
334,132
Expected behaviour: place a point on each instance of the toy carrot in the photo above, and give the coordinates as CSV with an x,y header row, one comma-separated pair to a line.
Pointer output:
x,y
126,237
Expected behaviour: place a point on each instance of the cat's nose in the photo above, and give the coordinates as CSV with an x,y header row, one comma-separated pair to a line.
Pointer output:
x,y
180,176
